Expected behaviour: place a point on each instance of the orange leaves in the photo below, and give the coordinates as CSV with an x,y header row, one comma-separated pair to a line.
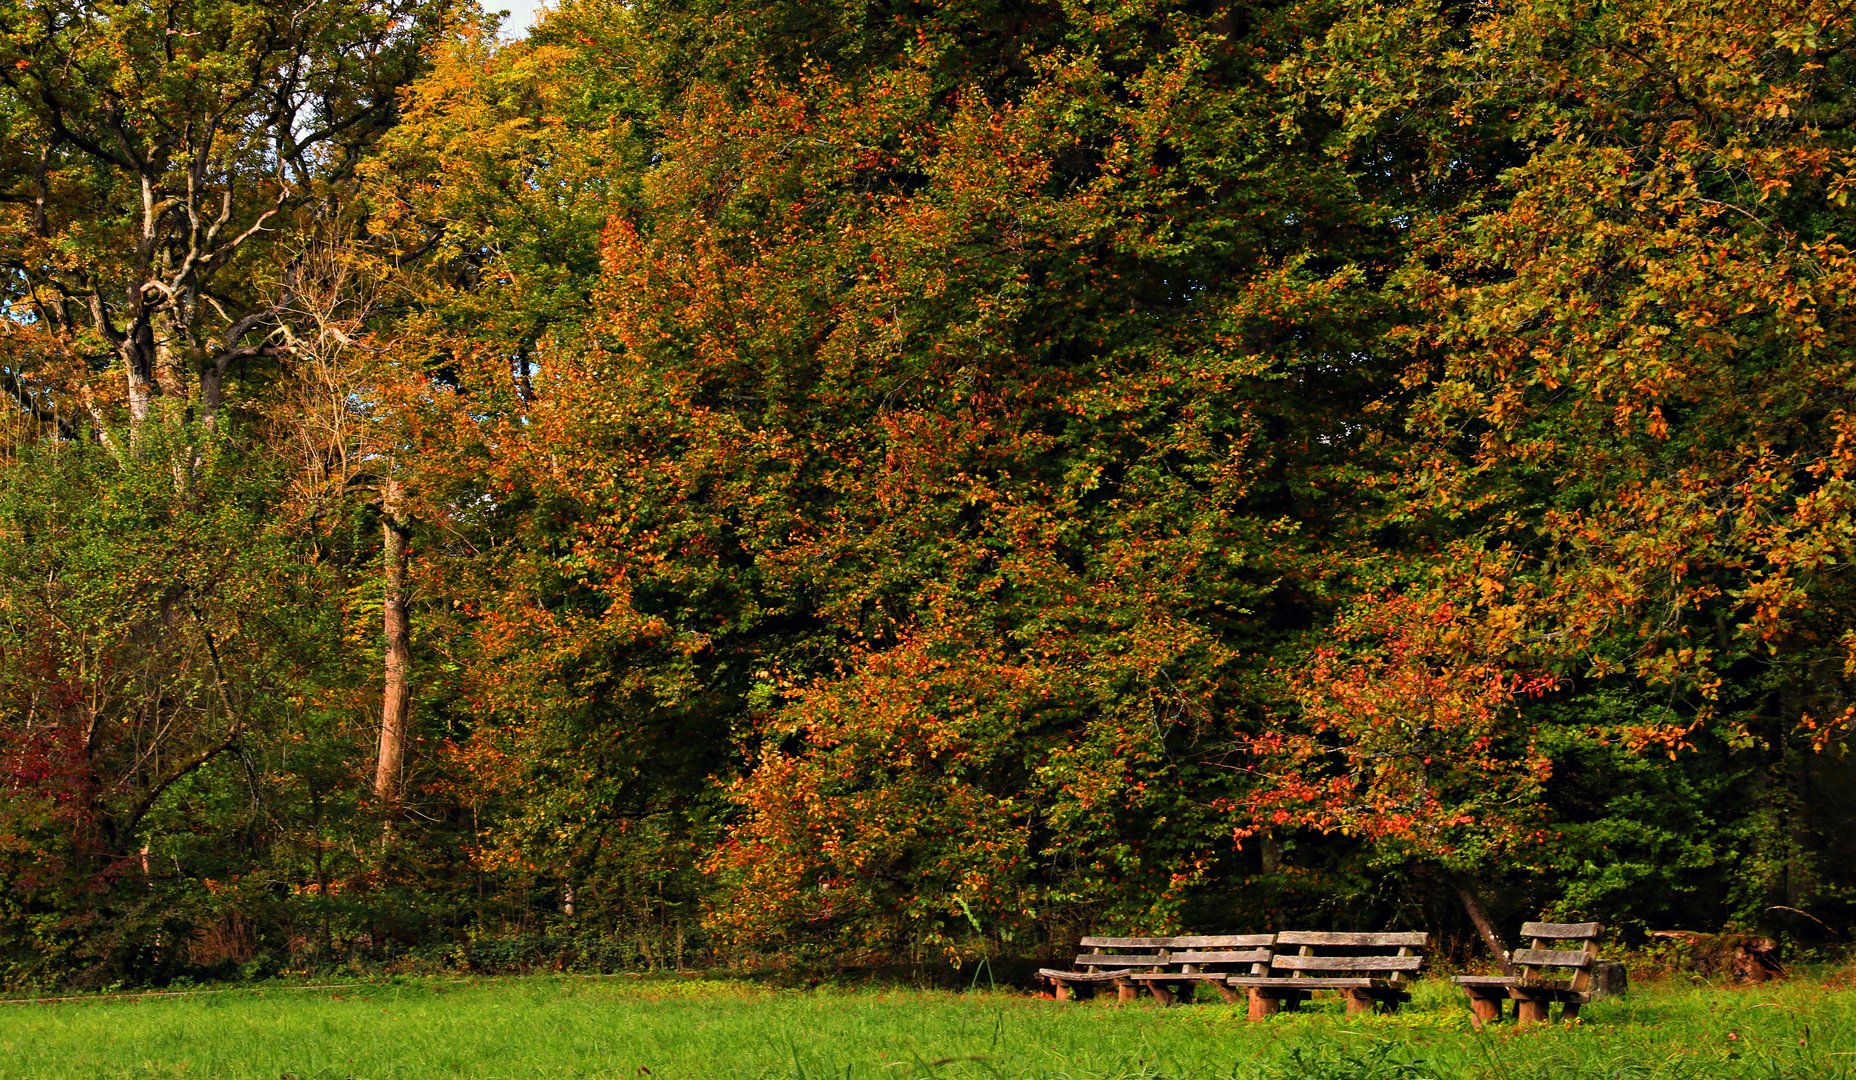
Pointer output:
x,y
1825,734
875,781
1666,739
1630,337
1409,733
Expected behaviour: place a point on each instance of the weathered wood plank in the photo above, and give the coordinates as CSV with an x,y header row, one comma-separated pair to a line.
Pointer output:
x,y
1317,983
1196,941
1248,956
1120,960
1551,957
1125,942
1560,930
1353,941
1223,941
1079,976
1348,963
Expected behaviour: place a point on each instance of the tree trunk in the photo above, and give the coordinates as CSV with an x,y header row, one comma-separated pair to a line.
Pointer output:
x,y
140,386
396,704
1479,915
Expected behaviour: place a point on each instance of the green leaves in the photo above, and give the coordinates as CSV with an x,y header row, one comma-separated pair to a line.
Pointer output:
x,y
928,464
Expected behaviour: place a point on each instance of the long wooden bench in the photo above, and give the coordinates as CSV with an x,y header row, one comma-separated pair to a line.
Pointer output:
x,y
1560,965
1166,966
1209,960
1357,965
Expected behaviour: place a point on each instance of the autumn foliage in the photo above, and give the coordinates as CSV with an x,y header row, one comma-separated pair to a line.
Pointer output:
x,y
910,483
1412,739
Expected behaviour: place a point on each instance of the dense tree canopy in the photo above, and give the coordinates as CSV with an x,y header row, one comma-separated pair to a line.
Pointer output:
x,y
905,483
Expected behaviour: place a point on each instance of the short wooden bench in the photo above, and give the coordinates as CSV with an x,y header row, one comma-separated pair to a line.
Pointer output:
x,y
1357,965
1560,965
1167,966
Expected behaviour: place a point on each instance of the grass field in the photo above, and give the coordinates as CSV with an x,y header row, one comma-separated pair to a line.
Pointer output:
x,y
669,1027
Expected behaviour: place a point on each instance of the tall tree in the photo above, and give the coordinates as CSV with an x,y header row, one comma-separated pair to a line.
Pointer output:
x,y
930,355
150,157
162,167
1629,440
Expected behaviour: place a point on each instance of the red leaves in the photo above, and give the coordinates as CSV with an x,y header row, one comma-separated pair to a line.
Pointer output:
x,y
1408,733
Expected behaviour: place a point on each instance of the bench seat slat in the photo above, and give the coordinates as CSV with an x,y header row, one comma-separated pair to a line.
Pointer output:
x,y
1324,983
1179,976
1560,930
1124,942
1417,939
1121,960
1198,941
1576,958
1496,981
1248,956
1348,963
1080,976
1223,941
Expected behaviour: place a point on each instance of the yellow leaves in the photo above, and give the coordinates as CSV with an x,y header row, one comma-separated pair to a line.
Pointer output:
x,y
1799,37
1838,190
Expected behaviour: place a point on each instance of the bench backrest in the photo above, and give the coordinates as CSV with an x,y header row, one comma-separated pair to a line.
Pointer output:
x,y
1304,954
1213,952
1558,952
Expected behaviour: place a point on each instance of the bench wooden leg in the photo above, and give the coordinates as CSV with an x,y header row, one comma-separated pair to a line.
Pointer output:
x,y
1569,1011
1063,991
1261,1005
1358,1002
1485,1010
1228,993
1528,1011
1126,992
1162,993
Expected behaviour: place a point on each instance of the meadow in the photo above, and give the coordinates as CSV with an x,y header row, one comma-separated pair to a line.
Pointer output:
x,y
686,1027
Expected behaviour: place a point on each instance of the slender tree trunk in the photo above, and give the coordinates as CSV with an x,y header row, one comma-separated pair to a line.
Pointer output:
x,y
1479,915
325,937
396,705
140,387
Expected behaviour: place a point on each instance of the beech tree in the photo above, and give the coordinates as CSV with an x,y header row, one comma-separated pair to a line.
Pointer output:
x,y
1629,440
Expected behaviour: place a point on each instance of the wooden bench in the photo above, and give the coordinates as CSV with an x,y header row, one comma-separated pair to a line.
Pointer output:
x,y
1167,966
1358,965
1210,960
1559,965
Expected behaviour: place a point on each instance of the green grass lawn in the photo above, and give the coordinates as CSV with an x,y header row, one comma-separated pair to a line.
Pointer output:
x,y
629,1027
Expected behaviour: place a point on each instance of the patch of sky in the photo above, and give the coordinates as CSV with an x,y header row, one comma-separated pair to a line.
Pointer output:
x,y
519,16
